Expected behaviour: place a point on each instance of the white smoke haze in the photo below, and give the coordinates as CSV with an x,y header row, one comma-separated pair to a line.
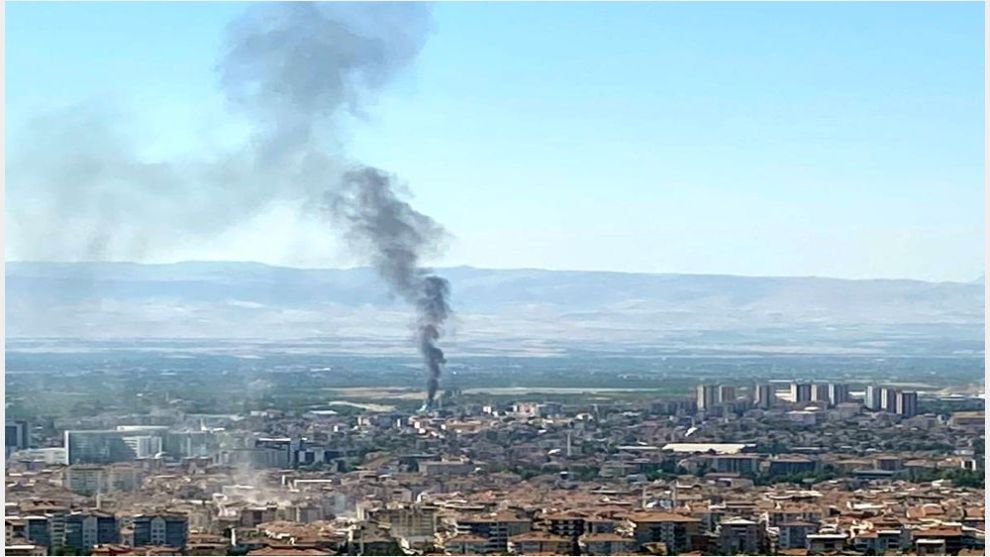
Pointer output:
x,y
82,191
79,189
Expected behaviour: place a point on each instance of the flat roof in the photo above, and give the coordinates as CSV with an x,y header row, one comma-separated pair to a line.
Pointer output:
x,y
718,448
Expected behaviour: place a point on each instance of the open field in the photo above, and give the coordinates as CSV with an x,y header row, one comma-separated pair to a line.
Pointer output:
x,y
377,393
364,406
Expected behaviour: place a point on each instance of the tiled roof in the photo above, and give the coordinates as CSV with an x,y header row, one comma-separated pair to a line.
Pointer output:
x,y
659,516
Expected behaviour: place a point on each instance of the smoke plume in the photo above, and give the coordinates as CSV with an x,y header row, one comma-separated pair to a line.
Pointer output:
x,y
395,236
81,186
295,71
301,64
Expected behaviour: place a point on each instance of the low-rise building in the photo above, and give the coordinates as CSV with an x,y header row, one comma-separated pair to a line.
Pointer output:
x,y
607,544
826,543
540,543
497,529
161,529
793,535
739,535
672,529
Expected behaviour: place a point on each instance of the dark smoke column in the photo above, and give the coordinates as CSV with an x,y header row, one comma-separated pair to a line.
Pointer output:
x,y
433,310
294,68
395,236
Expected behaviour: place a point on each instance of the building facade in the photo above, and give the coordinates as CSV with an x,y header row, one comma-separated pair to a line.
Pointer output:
x,y
673,530
161,529
84,530
763,396
17,437
819,393
85,479
800,392
707,397
741,536
888,399
907,404
871,399
726,394
838,393
97,447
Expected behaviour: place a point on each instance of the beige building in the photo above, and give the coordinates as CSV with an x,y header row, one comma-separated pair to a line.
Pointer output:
x,y
540,543
672,529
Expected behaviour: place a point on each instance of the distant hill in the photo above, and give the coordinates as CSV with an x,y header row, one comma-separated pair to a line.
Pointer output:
x,y
209,299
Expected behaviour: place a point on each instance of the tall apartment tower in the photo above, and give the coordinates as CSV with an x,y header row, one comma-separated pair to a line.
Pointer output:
x,y
872,398
838,393
707,397
907,404
17,436
763,395
888,399
819,393
801,392
726,394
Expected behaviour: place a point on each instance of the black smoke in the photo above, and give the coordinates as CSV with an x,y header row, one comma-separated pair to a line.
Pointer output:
x,y
296,72
394,236
303,63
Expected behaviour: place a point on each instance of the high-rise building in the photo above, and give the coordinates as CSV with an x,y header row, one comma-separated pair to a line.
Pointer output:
x,y
17,437
726,394
109,446
707,397
161,529
871,400
801,392
256,457
763,395
819,393
888,399
96,447
144,446
838,393
289,446
182,444
907,404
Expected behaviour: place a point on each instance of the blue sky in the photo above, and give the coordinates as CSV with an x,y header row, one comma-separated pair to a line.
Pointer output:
x,y
833,139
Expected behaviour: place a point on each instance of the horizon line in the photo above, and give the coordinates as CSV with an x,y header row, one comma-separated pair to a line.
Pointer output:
x,y
978,280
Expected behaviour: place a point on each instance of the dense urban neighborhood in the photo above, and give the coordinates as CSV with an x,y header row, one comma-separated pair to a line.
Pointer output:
x,y
788,469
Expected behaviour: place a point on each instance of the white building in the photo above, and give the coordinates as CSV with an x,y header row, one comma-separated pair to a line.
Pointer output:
x,y
144,446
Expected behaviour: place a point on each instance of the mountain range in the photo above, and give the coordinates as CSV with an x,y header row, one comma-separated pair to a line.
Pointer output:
x,y
521,307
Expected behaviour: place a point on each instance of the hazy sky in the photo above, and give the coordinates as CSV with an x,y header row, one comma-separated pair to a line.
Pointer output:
x,y
765,139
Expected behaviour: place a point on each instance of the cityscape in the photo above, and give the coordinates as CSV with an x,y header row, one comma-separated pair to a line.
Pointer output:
x,y
799,468
494,278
